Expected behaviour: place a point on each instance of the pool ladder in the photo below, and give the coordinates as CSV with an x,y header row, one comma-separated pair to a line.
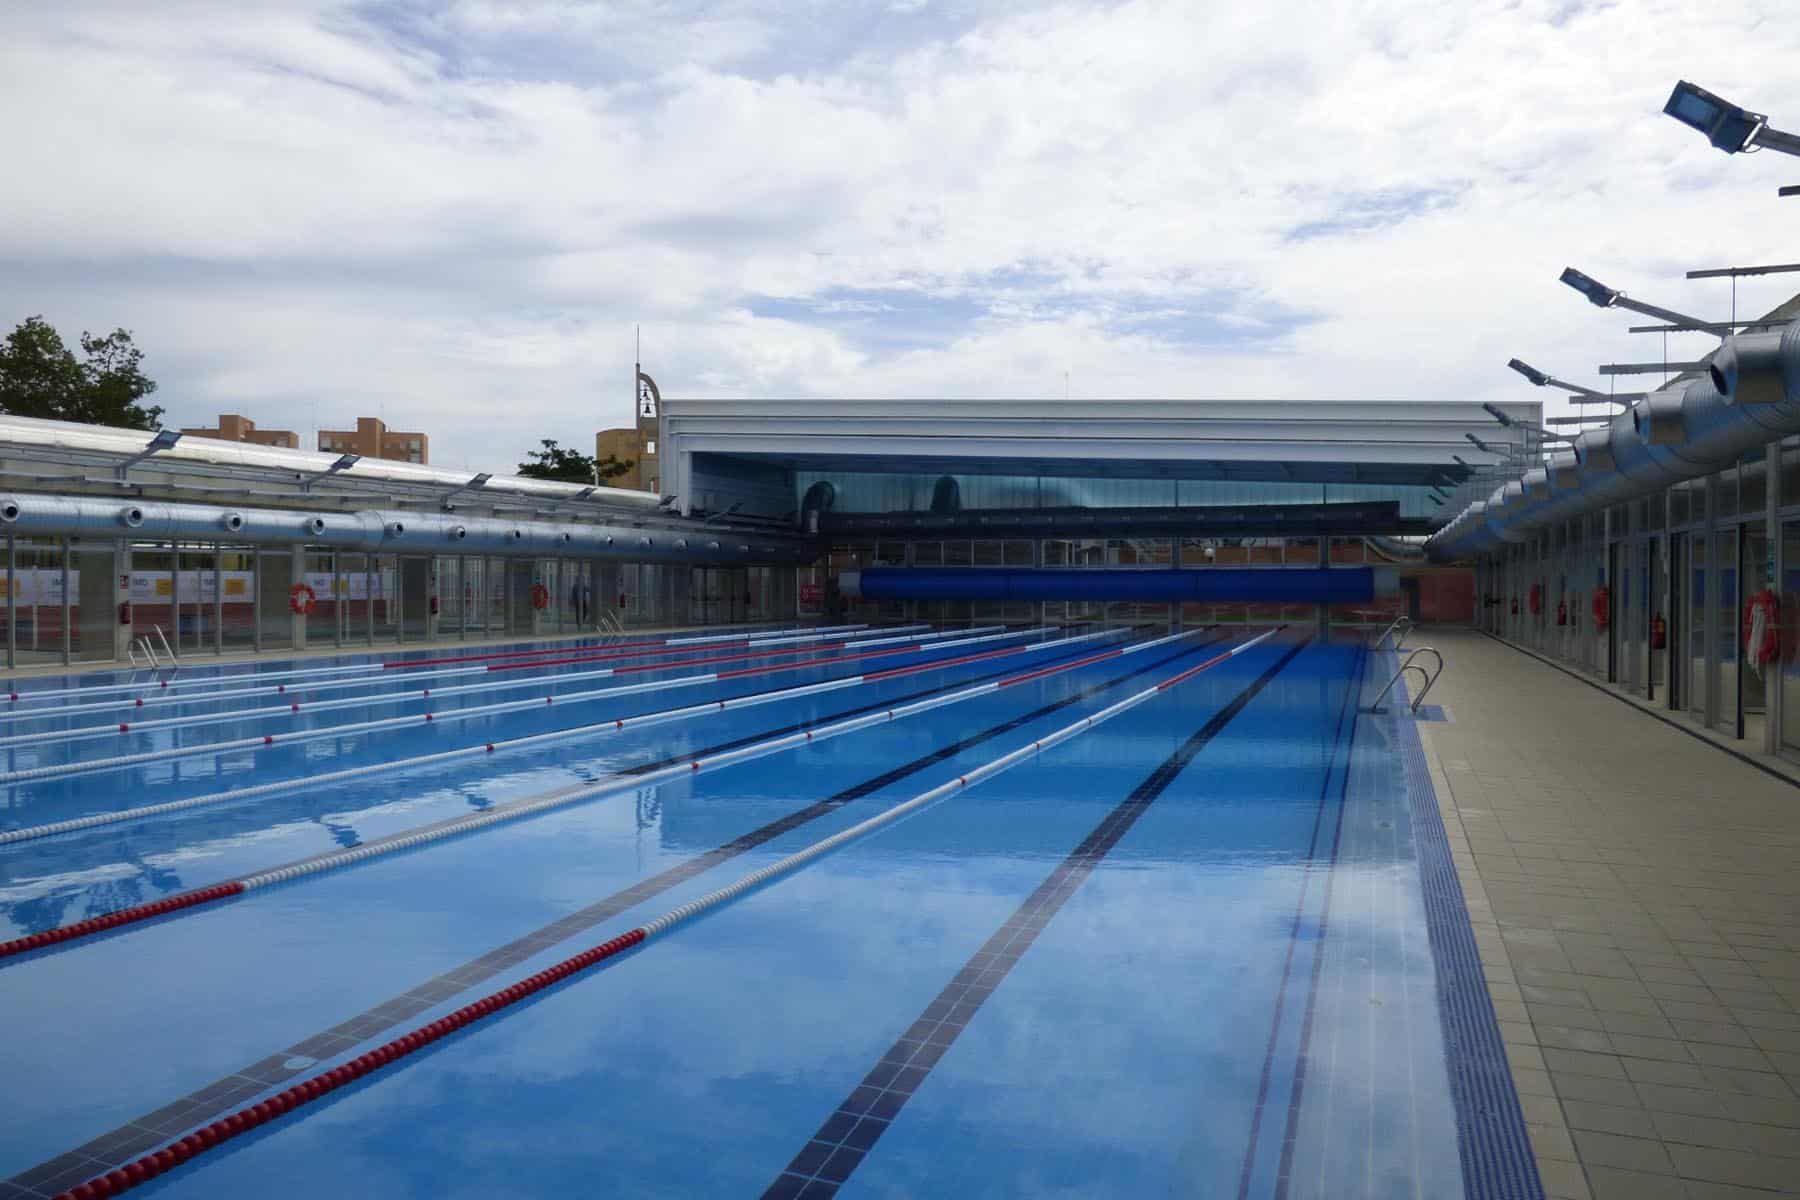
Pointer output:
x,y
1430,677
149,648
1399,628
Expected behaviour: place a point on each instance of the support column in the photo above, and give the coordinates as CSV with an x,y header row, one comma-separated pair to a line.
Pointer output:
x,y
121,596
1773,676
297,621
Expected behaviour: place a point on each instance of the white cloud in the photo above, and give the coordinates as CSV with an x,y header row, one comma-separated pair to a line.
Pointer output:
x,y
448,214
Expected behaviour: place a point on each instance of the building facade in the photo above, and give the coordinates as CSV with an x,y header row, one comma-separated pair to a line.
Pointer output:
x,y
636,445
233,428
373,439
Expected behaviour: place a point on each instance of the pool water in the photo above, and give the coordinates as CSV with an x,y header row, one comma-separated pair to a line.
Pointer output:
x,y
1189,949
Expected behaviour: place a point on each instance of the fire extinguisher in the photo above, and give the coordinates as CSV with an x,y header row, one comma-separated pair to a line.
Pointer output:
x,y
434,606
1515,606
125,612
621,601
1562,612
1659,632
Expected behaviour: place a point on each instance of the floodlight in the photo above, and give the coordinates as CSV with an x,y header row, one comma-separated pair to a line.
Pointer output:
x,y
1598,293
165,439
1537,377
1726,126
346,461
1601,296
1495,412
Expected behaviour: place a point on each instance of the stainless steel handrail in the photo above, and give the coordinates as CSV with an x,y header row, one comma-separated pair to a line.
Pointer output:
x,y
1394,627
1430,678
168,649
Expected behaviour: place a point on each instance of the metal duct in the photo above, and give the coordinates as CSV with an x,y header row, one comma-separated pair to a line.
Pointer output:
x,y
1684,431
35,514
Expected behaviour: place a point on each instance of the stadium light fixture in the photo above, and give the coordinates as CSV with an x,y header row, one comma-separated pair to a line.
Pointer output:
x,y
1544,379
1601,296
1726,125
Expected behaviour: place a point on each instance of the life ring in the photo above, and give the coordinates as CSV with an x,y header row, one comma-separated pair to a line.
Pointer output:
x,y
302,599
1762,629
1602,606
540,597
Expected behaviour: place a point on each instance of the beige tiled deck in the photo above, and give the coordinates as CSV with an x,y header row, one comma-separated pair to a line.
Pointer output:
x,y
1635,893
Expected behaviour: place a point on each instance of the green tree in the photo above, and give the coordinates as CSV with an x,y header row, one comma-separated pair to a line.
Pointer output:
x,y
570,466
41,377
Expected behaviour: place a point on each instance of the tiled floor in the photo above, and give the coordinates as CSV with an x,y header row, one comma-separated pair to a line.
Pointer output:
x,y
1635,893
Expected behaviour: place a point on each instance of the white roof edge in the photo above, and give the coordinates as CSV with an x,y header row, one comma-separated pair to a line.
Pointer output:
x,y
33,432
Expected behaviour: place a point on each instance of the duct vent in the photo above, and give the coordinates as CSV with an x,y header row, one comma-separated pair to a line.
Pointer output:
x,y
131,517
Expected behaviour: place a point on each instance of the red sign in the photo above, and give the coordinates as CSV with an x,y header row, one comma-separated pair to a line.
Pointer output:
x,y
811,594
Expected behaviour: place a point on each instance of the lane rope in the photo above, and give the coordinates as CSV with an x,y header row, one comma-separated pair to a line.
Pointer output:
x,y
607,785
209,1136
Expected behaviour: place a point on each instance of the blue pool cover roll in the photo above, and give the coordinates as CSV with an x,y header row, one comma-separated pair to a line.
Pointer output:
x,y
1235,585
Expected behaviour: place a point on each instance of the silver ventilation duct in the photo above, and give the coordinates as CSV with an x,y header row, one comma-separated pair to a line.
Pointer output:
x,y
33,514
1749,397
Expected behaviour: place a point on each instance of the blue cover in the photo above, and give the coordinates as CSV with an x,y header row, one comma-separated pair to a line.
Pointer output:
x,y
1236,585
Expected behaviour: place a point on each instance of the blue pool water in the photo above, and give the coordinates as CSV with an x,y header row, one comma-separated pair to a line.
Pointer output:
x,y
1191,950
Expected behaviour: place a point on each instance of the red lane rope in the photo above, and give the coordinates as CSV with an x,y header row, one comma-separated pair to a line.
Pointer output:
x,y
124,916
148,1167
709,657
648,647
224,891
1055,667
897,672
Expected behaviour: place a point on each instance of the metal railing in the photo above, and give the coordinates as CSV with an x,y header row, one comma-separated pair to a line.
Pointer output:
x,y
1399,627
1430,677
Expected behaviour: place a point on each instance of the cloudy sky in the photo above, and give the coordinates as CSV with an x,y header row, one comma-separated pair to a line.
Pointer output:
x,y
453,214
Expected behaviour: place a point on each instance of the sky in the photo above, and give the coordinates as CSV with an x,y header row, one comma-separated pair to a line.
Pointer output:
x,y
456,215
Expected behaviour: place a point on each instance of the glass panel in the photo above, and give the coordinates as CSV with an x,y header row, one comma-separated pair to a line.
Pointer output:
x,y
1790,630
275,575
1693,617
1759,572
1725,624
196,595
238,566
92,615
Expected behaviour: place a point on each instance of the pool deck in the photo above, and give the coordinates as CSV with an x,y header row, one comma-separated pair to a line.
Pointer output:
x,y
1635,893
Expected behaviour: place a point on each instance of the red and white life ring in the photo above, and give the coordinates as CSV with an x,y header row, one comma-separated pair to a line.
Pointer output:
x,y
1762,629
302,599
540,597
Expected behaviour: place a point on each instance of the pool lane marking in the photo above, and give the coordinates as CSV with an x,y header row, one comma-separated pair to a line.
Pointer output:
x,y
839,1145
105,1153
727,639
670,658
114,762
1265,1079
82,733
614,725
1297,1094
436,831
227,675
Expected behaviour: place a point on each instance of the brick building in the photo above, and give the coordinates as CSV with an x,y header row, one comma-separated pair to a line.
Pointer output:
x,y
233,428
373,439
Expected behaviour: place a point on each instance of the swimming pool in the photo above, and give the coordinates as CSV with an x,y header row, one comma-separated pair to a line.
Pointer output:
x,y
1109,913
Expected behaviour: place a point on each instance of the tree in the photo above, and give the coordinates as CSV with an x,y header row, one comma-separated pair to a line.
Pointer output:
x,y
570,466
41,377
